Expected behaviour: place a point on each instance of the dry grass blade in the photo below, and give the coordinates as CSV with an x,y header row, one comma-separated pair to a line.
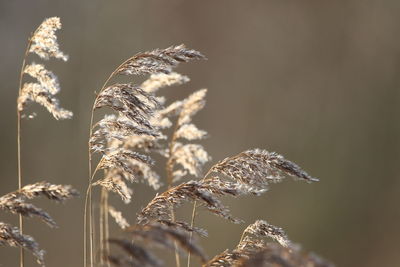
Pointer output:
x,y
257,168
11,236
160,206
138,255
158,60
164,236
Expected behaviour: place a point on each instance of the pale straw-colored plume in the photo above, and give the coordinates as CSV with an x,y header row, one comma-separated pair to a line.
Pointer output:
x,y
140,114
158,60
11,236
191,157
252,250
258,168
15,202
160,80
55,192
47,79
43,43
44,40
34,92
120,159
193,104
206,194
112,128
190,132
117,215
130,101
263,229
114,182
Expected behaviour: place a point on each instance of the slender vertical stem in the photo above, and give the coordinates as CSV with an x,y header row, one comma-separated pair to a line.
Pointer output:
x,y
101,225
88,205
107,229
103,229
21,221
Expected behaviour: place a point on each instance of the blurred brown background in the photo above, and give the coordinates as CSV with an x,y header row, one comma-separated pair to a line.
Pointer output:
x,y
317,81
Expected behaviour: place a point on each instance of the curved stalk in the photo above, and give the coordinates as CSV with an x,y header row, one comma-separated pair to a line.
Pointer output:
x,y
91,176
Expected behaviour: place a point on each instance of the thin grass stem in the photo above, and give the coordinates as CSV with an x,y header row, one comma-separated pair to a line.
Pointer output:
x,y
21,221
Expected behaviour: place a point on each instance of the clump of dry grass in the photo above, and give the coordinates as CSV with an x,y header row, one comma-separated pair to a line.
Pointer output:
x,y
121,137
139,125
136,110
139,128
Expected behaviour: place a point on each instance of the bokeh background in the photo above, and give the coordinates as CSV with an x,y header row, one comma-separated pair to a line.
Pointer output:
x,y
317,81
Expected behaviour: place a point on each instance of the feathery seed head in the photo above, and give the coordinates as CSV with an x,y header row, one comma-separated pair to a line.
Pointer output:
x,y
119,219
12,236
257,168
44,40
160,80
158,60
